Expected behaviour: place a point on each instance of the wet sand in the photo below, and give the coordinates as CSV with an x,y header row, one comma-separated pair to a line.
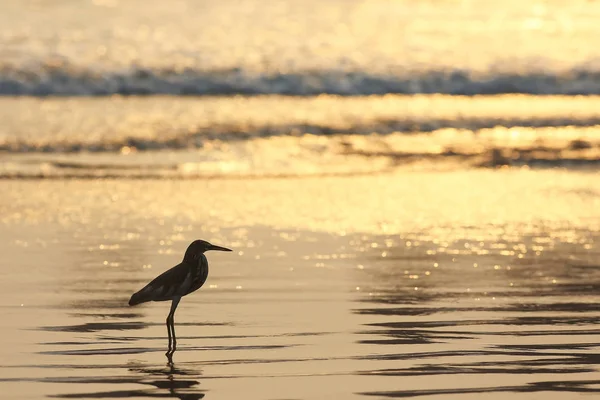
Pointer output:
x,y
459,284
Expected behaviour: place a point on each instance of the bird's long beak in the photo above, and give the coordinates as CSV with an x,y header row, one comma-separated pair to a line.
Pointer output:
x,y
218,248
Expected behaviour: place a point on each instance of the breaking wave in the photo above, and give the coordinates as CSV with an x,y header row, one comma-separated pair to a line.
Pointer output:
x,y
66,80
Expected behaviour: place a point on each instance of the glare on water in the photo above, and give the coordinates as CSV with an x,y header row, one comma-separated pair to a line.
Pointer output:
x,y
410,189
411,275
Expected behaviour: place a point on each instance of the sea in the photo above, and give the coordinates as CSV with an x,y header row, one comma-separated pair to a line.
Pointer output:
x,y
410,189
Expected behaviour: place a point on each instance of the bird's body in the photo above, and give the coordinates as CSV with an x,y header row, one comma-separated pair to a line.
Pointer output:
x,y
183,279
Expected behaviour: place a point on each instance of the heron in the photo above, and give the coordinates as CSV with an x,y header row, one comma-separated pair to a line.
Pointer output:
x,y
183,279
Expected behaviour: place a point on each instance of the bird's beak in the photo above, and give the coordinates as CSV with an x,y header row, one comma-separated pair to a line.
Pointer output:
x,y
218,248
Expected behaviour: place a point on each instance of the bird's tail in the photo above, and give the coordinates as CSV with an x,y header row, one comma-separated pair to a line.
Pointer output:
x,y
137,298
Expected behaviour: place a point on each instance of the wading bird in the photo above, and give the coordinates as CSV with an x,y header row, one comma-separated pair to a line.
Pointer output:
x,y
177,282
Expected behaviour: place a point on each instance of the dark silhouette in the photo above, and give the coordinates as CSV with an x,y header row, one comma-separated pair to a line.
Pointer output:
x,y
181,280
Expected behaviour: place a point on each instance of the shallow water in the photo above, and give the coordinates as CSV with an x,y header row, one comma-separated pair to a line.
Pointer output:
x,y
376,254
409,287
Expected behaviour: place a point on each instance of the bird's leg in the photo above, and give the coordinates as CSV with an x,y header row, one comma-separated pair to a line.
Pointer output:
x,y
174,305
174,337
171,329
168,353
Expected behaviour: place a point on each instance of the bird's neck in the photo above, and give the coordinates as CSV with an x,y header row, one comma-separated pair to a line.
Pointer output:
x,y
195,263
191,261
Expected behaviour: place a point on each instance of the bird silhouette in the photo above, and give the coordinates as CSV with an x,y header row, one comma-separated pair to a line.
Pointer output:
x,y
183,279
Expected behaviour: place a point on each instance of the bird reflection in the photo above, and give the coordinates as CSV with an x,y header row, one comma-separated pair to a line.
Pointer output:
x,y
162,382
176,380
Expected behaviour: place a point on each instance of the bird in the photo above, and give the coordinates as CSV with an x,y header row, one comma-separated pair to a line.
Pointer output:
x,y
181,280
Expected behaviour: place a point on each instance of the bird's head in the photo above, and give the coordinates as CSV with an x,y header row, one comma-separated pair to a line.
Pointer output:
x,y
198,247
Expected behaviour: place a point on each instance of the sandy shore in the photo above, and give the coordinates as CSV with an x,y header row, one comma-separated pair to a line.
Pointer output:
x,y
410,188
464,283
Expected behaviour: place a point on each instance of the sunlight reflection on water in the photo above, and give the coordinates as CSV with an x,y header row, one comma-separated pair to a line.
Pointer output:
x,y
481,287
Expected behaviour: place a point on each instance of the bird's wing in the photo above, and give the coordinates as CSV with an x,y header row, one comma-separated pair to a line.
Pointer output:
x,y
170,283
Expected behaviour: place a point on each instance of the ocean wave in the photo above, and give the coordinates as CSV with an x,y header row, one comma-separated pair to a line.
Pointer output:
x,y
66,80
150,123
310,156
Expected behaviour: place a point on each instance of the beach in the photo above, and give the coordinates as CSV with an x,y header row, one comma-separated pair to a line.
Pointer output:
x,y
337,287
410,190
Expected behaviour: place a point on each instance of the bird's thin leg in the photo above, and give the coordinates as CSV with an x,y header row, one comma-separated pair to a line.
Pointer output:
x,y
174,338
171,328
169,333
174,305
